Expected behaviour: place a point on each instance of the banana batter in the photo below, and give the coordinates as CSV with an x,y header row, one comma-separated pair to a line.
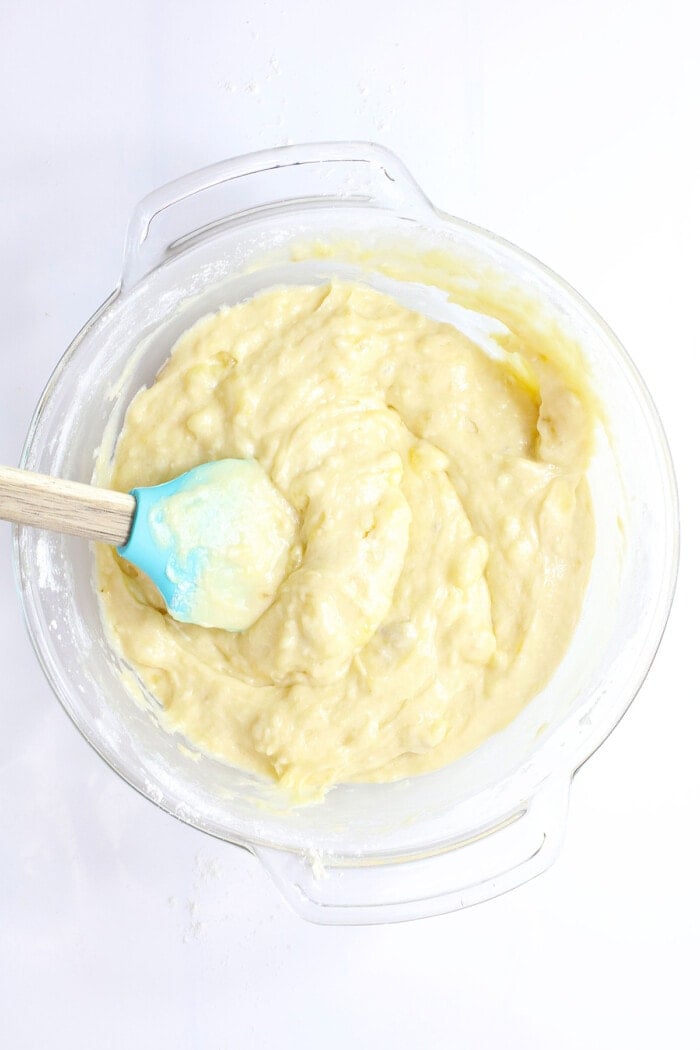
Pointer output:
x,y
444,542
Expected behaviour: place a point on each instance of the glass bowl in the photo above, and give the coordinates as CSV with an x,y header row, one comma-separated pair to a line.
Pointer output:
x,y
377,852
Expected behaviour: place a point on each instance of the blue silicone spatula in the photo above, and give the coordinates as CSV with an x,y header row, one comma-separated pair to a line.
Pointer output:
x,y
215,541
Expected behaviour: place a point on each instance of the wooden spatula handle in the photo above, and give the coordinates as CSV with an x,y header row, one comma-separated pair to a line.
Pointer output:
x,y
65,506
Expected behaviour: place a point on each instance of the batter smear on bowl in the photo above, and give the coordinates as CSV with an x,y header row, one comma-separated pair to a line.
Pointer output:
x,y
445,534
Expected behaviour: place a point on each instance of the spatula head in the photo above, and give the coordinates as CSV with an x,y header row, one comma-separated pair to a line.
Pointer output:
x,y
216,541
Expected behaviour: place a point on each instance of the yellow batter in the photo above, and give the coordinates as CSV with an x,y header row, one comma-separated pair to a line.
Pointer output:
x,y
445,534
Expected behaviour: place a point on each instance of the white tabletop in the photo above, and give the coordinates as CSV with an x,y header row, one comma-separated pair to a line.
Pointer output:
x,y
569,129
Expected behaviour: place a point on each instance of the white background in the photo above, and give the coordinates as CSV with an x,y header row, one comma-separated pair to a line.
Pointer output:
x,y
569,128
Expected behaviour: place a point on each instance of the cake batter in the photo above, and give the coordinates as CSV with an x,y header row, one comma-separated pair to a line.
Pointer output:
x,y
445,535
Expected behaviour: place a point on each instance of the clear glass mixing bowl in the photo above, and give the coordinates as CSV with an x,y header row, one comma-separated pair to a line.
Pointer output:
x,y
368,853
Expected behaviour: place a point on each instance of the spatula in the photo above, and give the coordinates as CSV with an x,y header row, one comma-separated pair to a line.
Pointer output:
x,y
215,541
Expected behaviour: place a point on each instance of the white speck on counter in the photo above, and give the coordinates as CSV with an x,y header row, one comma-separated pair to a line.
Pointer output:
x,y
378,108
206,870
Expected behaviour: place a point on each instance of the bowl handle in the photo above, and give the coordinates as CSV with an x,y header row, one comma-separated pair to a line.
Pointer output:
x,y
325,891
199,204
